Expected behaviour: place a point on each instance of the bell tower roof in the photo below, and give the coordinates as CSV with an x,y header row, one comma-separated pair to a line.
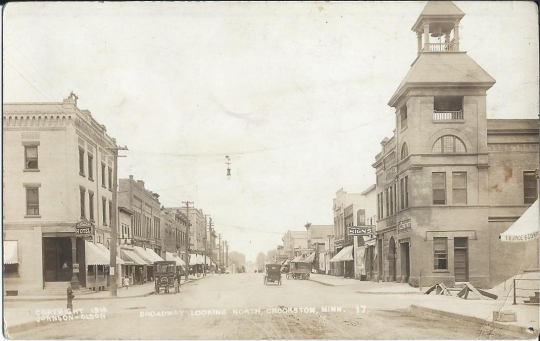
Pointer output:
x,y
438,10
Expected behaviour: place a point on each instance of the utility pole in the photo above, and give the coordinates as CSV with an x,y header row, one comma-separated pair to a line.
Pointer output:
x,y
188,244
205,239
226,254
220,260
211,228
114,221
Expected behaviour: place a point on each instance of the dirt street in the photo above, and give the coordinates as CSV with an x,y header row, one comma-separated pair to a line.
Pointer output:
x,y
239,306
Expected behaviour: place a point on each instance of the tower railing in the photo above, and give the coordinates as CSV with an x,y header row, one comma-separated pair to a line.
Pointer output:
x,y
442,47
447,115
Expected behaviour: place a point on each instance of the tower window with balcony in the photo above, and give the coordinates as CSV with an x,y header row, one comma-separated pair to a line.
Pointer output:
x,y
449,144
448,108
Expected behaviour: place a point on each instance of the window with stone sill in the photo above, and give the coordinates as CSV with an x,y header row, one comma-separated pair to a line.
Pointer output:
x,y
32,201
11,270
31,157
440,250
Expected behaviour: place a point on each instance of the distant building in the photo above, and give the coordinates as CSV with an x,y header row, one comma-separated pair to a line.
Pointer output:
x,y
319,241
175,238
349,210
57,177
450,180
295,243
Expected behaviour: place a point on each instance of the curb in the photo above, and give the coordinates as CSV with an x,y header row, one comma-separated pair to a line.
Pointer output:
x,y
499,325
84,298
323,283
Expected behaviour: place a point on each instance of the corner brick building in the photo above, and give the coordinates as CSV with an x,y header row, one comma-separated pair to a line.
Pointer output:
x,y
450,180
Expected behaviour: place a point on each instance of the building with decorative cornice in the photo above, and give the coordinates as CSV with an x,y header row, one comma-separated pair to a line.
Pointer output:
x,y
450,180
57,201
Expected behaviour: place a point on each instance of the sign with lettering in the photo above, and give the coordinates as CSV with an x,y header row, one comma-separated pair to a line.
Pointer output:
x,y
84,228
361,230
76,268
404,225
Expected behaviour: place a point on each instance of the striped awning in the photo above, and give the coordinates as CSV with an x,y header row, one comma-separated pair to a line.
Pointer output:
x,y
11,255
297,259
108,252
174,257
94,255
344,255
143,254
132,257
310,258
154,255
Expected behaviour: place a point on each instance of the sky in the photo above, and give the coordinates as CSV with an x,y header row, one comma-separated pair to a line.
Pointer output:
x,y
294,93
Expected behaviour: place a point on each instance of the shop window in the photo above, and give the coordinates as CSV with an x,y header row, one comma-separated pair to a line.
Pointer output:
x,y
32,201
100,269
31,157
91,269
530,190
440,249
459,188
449,144
439,188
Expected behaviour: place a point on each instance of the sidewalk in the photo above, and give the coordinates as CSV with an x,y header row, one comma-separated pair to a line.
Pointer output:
x,y
481,311
19,315
133,291
366,287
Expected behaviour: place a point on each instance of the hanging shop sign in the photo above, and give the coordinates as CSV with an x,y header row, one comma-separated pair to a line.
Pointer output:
x,y
361,230
84,228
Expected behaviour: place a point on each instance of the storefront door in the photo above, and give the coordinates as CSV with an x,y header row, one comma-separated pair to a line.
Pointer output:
x,y
57,260
405,262
392,260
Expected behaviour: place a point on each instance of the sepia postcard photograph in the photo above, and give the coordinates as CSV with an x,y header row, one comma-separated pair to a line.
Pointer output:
x,y
270,170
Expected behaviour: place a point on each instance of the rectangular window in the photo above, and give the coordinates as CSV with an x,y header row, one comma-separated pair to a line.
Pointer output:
x,y
459,188
391,197
439,188
403,112
110,177
81,162
104,210
387,199
406,191
83,195
91,205
440,250
103,175
90,167
530,190
32,201
31,157
402,192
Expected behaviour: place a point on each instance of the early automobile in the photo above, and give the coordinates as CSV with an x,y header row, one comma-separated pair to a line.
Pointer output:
x,y
300,270
165,275
272,274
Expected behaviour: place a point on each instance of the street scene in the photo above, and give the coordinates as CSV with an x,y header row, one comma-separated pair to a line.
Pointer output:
x,y
288,170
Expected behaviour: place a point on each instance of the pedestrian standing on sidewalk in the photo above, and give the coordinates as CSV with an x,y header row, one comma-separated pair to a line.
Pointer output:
x,y
142,276
126,282
176,284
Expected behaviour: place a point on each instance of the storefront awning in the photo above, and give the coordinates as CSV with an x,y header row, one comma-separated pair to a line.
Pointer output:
x,y
154,255
200,259
94,255
108,253
526,228
192,259
11,255
143,254
172,256
310,258
344,255
369,241
297,259
132,257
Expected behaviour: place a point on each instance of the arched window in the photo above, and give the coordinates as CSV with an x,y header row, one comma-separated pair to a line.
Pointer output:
x,y
404,151
449,144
